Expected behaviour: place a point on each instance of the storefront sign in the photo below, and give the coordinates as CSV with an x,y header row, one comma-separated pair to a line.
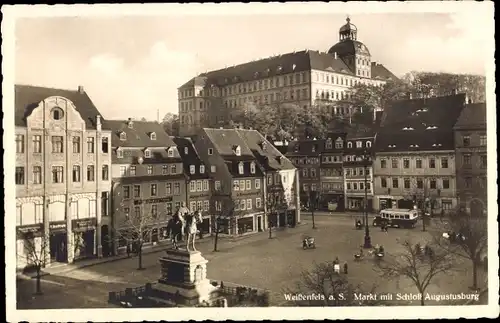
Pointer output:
x,y
34,229
246,194
59,226
84,224
154,201
198,196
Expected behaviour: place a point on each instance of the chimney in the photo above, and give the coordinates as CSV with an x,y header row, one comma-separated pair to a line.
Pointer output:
x,y
410,96
455,91
98,123
335,55
81,90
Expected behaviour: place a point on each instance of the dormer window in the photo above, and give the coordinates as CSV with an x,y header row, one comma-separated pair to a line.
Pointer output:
x,y
313,149
186,150
202,169
192,169
152,136
263,145
237,150
256,74
297,148
414,146
252,168
408,128
349,144
119,153
123,136
328,144
268,70
339,143
293,67
240,168
279,69
147,153
279,159
436,145
130,124
391,146
368,144
431,128
359,144
170,152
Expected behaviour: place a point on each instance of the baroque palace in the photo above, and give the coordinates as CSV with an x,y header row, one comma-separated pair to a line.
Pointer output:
x,y
306,78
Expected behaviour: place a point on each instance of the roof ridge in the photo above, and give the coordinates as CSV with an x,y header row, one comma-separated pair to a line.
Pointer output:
x,y
47,87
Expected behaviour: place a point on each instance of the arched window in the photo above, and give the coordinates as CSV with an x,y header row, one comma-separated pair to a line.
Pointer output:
x,y
240,168
349,144
252,168
123,136
368,144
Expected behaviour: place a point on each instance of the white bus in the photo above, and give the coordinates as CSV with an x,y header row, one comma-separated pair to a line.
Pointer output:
x,y
399,218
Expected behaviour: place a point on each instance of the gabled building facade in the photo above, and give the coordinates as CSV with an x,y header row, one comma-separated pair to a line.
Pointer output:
x,y
415,154
236,174
63,161
306,157
331,179
281,187
305,78
358,170
471,159
148,179
199,185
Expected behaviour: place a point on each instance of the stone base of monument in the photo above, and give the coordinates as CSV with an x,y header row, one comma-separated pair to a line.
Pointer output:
x,y
184,280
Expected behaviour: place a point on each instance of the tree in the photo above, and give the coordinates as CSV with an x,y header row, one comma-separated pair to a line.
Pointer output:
x,y
424,197
420,267
472,242
223,210
170,124
439,84
34,255
136,227
329,288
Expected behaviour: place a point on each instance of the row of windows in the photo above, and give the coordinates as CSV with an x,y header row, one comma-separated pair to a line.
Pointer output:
x,y
339,143
132,170
199,186
278,179
242,205
242,185
335,79
188,106
305,161
330,172
332,186
482,181
58,144
153,190
307,187
358,186
298,94
419,183
466,140
332,159
356,172
332,95
266,84
58,174
395,162
308,172
467,160
153,209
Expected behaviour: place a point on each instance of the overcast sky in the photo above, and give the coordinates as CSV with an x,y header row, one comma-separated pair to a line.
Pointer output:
x,y
131,66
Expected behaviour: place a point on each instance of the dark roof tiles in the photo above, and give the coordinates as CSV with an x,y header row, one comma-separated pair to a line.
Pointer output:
x,y
139,134
472,116
27,98
190,157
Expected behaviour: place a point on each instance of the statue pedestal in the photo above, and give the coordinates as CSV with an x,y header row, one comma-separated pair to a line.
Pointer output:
x,y
184,278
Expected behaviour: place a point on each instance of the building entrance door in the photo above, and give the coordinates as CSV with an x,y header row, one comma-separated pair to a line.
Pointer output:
x,y
58,248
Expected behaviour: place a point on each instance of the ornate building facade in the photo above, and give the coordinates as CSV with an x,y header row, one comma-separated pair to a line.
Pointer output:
x,y
63,162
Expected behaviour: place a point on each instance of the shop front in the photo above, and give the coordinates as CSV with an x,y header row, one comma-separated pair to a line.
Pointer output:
x,y
386,203
58,241
29,241
84,235
246,224
356,203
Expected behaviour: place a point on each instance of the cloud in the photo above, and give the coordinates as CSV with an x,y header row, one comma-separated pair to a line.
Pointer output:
x,y
106,63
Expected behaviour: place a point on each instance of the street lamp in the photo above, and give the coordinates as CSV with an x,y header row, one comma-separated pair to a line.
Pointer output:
x,y
366,159
313,202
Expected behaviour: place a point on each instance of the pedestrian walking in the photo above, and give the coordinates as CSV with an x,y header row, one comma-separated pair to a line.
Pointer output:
x,y
128,250
345,268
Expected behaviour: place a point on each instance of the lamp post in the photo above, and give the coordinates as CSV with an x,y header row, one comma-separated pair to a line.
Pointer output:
x,y
366,159
313,199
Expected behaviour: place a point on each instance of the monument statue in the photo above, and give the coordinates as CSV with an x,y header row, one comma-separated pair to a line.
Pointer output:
x,y
191,228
